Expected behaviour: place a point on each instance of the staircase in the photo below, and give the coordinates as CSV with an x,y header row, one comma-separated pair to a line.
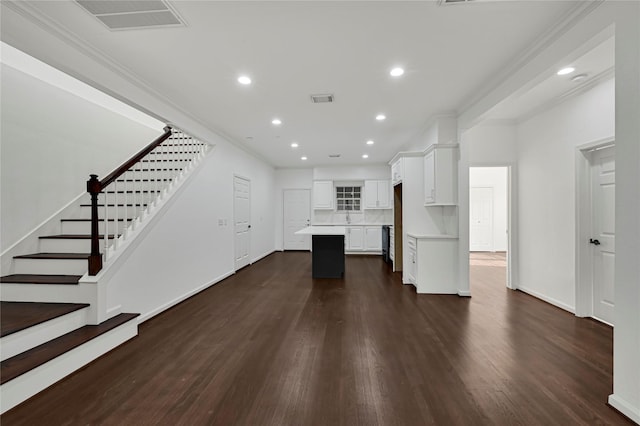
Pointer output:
x,y
49,300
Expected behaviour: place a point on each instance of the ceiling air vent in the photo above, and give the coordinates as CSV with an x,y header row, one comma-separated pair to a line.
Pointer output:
x,y
319,99
132,14
334,155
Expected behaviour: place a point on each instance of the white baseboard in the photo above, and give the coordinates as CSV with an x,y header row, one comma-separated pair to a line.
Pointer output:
x,y
547,299
148,315
625,408
262,256
25,386
464,293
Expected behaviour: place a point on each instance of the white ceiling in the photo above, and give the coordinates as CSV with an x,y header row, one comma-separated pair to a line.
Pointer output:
x,y
293,49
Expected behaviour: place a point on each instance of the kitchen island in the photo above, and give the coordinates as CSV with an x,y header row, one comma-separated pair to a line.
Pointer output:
x,y
327,250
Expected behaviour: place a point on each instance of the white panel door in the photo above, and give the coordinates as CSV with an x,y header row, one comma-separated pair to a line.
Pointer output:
x,y
603,179
297,215
241,220
480,219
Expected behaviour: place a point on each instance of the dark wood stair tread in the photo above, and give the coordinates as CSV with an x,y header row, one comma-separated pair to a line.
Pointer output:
x,y
119,205
74,237
33,358
17,316
99,220
40,279
73,256
144,191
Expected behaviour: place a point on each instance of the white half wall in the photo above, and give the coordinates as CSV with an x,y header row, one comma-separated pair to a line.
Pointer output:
x,y
52,140
546,188
191,245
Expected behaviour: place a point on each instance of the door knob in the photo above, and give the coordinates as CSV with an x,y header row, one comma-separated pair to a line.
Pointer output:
x,y
594,242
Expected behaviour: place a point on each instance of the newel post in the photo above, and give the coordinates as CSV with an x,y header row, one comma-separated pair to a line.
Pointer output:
x,y
95,258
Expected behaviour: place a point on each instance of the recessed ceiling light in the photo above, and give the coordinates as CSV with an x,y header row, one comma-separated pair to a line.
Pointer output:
x,y
276,121
396,72
380,117
243,79
294,145
579,77
303,158
365,156
370,142
565,71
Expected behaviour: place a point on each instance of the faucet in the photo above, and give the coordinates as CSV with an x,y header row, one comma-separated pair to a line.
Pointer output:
x,y
348,218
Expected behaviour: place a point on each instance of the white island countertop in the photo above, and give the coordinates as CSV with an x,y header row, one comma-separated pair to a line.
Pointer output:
x,y
322,230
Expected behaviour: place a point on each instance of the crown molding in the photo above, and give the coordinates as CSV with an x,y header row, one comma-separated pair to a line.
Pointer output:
x,y
562,26
605,75
57,30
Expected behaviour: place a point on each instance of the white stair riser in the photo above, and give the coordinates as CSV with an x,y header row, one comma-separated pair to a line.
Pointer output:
x,y
153,174
74,227
51,266
144,185
48,245
131,211
137,198
31,337
25,386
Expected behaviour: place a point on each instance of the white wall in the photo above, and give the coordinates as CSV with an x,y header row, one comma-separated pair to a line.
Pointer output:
x,y
51,140
351,173
187,250
495,178
546,189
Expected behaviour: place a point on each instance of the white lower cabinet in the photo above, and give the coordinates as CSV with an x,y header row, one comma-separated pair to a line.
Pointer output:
x,y
354,240
373,238
363,239
432,264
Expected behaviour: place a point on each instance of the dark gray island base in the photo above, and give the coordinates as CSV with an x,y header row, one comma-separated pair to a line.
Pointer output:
x,y
327,256
327,250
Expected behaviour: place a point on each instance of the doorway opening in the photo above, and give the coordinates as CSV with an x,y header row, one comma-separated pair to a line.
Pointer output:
x,y
489,224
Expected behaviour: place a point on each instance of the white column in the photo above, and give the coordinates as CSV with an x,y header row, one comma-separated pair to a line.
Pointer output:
x,y
626,334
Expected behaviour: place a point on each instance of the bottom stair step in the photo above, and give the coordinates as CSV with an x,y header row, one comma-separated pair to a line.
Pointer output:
x,y
27,361
18,316
28,373
40,279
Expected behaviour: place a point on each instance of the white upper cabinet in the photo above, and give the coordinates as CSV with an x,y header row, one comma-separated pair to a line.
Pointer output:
x,y
441,175
323,195
377,194
396,172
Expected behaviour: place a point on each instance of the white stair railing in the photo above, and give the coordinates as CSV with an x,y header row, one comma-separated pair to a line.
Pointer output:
x,y
135,189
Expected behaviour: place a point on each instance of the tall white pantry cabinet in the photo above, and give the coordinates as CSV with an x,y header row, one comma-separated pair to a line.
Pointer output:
x,y
430,243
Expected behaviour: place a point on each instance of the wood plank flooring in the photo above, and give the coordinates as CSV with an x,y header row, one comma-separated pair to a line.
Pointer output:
x,y
271,346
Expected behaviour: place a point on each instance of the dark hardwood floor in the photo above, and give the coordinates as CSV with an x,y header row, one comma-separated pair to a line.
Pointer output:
x,y
271,346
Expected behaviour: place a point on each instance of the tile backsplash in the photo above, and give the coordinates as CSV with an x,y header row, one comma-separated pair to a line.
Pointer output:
x,y
329,217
